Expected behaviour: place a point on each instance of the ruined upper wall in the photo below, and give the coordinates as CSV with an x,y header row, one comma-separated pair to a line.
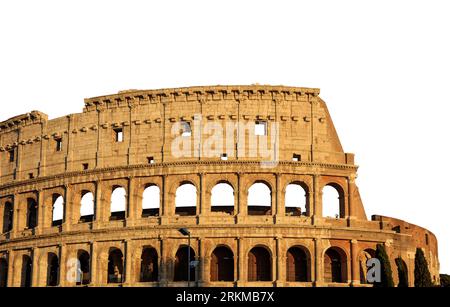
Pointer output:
x,y
147,119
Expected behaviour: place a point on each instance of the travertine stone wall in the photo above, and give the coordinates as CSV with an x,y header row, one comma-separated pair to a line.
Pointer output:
x,y
91,160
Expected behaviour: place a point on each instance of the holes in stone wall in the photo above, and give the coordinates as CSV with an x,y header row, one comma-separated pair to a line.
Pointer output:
x,y
115,266
151,201
186,199
87,207
296,199
118,135
333,201
259,199
118,203
57,210
222,198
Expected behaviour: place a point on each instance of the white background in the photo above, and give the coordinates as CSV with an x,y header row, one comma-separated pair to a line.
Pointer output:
x,y
382,66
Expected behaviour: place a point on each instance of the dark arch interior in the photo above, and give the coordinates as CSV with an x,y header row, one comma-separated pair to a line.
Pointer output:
x,y
3,273
297,265
334,266
181,264
31,213
84,268
259,265
115,266
53,270
149,265
27,266
222,264
8,214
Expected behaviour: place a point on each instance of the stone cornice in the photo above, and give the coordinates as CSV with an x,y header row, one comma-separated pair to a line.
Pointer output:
x,y
313,167
22,120
199,93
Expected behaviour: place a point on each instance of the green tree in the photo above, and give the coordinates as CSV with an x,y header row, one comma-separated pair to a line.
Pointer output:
x,y
402,272
386,271
445,280
422,276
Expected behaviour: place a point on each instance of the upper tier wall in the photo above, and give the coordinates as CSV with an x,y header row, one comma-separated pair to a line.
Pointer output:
x,y
298,123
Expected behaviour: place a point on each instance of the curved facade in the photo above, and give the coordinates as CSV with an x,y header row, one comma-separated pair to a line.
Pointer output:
x,y
95,198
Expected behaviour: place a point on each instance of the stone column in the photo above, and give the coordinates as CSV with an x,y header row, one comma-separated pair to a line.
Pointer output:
x,y
36,279
280,262
131,202
166,208
318,272
163,263
242,198
280,208
128,262
204,206
19,221
99,205
63,282
354,263
93,264
12,269
317,203
2,211
202,269
241,278
68,208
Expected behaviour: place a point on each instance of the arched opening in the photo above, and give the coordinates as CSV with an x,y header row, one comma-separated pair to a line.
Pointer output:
x,y
222,198
87,207
3,273
58,210
259,265
259,199
402,271
151,201
335,265
27,269
118,203
333,201
8,214
181,264
32,209
364,256
149,265
297,265
296,199
115,266
84,262
222,264
186,199
52,270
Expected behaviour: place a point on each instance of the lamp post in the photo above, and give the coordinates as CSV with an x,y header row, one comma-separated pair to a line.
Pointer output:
x,y
186,232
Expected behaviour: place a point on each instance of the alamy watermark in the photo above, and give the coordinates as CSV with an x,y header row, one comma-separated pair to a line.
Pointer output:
x,y
226,139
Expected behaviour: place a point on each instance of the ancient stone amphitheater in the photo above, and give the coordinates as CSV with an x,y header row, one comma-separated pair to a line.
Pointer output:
x,y
96,198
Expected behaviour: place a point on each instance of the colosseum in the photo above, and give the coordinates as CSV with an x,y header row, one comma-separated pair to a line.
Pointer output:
x,y
136,191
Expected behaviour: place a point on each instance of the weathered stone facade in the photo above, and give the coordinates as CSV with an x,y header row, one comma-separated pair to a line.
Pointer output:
x,y
43,159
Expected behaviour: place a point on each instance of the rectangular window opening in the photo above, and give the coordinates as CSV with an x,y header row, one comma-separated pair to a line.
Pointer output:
x,y
296,158
119,135
31,176
260,128
85,166
150,160
224,157
11,155
58,144
186,129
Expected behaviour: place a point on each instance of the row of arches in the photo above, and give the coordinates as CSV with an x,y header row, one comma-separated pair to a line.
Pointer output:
x,y
259,202
222,266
